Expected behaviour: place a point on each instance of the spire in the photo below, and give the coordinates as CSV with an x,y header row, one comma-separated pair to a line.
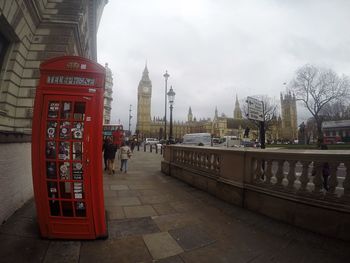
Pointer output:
x,y
190,115
216,112
237,112
145,80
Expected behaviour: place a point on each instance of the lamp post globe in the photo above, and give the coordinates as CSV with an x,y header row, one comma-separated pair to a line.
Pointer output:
x,y
171,98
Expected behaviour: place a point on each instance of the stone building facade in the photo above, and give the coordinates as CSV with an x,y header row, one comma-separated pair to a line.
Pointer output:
x,y
32,31
289,117
108,96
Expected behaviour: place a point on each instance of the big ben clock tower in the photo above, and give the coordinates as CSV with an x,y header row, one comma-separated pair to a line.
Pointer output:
x,y
144,94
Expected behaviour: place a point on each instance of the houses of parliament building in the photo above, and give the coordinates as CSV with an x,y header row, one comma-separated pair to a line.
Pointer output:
x,y
283,127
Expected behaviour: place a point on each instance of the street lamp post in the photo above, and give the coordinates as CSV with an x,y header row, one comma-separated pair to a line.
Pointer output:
x,y
171,97
166,76
130,120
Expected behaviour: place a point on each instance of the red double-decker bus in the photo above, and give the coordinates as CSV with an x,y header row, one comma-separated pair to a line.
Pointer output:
x,y
113,131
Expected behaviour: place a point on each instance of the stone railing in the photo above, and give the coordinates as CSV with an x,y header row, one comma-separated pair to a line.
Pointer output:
x,y
310,188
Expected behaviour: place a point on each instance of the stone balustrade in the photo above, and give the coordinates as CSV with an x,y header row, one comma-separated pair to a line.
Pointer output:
x,y
310,189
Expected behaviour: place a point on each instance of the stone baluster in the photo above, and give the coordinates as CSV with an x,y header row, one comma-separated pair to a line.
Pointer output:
x,y
279,173
332,179
318,180
304,177
217,163
206,161
212,158
268,172
346,183
257,173
291,175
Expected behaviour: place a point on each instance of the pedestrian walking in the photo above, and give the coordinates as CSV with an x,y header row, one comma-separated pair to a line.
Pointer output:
x,y
110,151
104,147
124,156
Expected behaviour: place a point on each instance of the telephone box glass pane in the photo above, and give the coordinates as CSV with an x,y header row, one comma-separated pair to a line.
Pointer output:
x,y
79,110
52,189
54,207
67,209
80,209
65,190
50,150
64,150
65,130
51,130
66,110
53,109
77,150
78,190
51,171
77,171
78,130
64,171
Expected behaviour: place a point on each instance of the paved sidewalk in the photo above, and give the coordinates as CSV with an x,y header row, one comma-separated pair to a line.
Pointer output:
x,y
156,218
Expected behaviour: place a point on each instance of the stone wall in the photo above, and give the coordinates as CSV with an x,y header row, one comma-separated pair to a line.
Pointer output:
x,y
33,31
16,177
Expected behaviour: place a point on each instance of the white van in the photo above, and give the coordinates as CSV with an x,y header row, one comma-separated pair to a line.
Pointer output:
x,y
199,139
230,141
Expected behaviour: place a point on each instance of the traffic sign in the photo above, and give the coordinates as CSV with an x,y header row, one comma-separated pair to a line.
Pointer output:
x,y
255,109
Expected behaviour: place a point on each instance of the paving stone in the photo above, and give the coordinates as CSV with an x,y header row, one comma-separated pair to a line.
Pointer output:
x,y
148,192
156,199
161,245
142,186
128,193
21,226
110,193
119,187
132,227
63,251
115,212
173,221
22,249
139,211
164,209
191,237
173,259
126,250
122,201
182,207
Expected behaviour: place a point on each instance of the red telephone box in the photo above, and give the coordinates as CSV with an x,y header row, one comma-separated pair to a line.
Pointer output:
x,y
67,149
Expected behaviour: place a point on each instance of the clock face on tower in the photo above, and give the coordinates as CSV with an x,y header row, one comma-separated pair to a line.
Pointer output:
x,y
146,89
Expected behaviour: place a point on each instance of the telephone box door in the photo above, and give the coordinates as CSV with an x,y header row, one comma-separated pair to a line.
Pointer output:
x,y
67,129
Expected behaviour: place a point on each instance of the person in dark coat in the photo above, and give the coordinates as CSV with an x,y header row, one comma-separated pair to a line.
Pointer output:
x,y
104,147
110,151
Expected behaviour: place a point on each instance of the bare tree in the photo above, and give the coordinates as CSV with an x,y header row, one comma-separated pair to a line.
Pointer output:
x,y
316,88
336,111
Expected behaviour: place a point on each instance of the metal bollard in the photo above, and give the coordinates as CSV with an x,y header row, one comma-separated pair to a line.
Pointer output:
x,y
144,147
156,148
138,147
150,148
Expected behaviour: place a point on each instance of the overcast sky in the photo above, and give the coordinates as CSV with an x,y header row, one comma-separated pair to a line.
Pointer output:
x,y
215,49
